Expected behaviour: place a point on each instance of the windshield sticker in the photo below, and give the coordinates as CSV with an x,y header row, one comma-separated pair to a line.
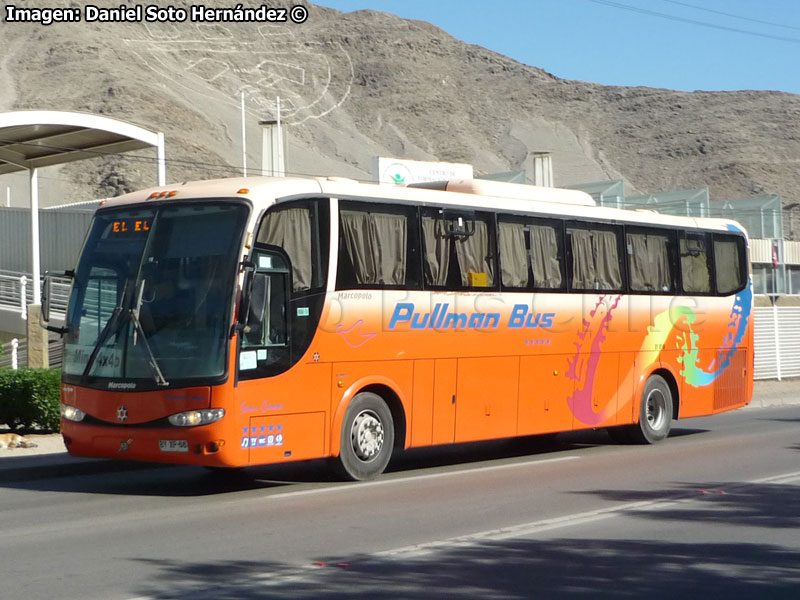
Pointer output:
x,y
106,364
248,360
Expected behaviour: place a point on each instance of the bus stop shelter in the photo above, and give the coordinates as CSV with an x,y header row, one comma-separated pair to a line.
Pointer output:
x,y
32,139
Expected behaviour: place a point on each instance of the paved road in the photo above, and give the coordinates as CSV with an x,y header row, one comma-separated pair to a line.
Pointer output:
x,y
715,510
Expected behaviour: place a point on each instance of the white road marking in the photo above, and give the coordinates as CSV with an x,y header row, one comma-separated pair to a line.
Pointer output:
x,y
415,478
525,529
300,573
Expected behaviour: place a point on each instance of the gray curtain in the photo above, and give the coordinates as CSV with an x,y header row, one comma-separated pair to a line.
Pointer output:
x,y
649,263
727,268
291,230
377,245
583,272
473,254
513,256
694,267
595,260
544,257
437,251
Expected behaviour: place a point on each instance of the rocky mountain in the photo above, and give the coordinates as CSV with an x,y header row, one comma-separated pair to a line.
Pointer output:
x,y
357,85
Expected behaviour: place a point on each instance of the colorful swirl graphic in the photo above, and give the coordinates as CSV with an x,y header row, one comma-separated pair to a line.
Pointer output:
x,y
585,369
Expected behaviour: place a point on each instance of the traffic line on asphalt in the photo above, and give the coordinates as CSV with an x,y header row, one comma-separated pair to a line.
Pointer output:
x,y
301,573
416,478
534,527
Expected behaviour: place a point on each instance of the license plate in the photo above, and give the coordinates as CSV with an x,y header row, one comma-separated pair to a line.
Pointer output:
x,y
173,445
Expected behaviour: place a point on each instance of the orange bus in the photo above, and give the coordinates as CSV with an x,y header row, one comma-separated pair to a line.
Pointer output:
x,y
250,321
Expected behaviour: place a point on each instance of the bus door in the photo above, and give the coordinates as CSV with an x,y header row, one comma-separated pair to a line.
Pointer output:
x,y
444,400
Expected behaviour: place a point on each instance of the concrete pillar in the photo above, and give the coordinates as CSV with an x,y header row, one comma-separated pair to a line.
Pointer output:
x,y
37,339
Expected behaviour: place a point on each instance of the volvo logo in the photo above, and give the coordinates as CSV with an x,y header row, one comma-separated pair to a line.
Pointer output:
x,y
125,445
122,414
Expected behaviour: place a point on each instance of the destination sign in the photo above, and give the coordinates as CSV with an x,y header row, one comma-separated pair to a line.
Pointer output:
x,y
129,226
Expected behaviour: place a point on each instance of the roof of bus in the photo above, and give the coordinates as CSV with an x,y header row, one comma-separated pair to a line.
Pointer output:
x,y
515,198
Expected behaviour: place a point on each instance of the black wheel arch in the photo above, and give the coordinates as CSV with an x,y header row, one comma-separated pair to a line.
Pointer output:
x,y
396,407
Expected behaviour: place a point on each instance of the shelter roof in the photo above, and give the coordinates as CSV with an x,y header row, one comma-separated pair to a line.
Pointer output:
x,y
31,139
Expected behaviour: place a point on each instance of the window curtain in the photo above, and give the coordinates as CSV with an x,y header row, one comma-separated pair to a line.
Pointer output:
x,y
473,254
377,245
583,272
649,262
291,230
694,268
544,257
727,269
513,256
437,251
595,260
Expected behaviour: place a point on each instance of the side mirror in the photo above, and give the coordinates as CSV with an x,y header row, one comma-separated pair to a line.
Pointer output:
x,y
44,316
47,290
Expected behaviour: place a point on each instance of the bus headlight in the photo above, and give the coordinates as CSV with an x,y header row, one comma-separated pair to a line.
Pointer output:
x,y
192,418
70,413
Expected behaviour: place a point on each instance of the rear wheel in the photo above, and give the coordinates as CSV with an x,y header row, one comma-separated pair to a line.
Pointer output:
x,y
367,437
655,412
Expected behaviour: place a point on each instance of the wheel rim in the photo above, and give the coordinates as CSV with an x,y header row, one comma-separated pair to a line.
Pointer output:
x,y
656,409
366,435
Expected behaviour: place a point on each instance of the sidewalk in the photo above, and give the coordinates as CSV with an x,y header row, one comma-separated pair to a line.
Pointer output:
x,y
51,454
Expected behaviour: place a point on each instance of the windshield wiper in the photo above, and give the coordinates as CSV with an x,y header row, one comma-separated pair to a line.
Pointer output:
x,y
137,328
110,328
115,323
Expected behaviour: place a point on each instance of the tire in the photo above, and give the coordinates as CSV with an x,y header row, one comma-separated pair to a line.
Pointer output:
x,y
655,413
367,438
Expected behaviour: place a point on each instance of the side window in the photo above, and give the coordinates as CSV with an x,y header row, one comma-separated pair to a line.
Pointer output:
x,y
458,250
595,256
650,260
695,272
265,348
378,246
531,254
728,263
300,228
102,297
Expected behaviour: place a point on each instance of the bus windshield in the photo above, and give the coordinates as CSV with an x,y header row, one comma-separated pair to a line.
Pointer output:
x,y
151,301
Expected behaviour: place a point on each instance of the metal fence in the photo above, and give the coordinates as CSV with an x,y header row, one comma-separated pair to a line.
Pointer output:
x,y
15,354
777,342
16,292
61,237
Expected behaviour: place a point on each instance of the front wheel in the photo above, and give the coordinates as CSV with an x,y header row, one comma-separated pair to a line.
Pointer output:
x,y
655,412
367,437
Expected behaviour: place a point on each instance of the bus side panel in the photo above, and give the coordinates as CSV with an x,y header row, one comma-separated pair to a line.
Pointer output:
x,y
349,378
543,391
422,403
698,400
277,438
301,390
486,398
444,401
594,400
625,400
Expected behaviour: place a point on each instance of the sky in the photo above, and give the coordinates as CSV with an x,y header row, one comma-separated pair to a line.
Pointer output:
x,y
676,44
